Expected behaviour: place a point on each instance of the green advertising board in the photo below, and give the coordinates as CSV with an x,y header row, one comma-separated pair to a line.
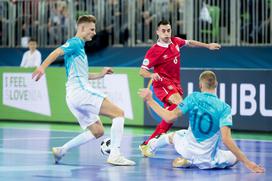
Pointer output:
x,y
16,94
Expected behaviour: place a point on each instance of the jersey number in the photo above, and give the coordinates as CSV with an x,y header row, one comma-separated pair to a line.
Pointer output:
x,y
198,119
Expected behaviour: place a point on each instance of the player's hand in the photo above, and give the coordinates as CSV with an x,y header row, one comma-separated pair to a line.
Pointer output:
x,y
214,46
107,70
156,77
254,167
38,73
146,94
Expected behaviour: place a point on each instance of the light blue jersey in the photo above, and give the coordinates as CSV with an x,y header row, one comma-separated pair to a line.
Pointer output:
x,y
76,63
82,100
207,114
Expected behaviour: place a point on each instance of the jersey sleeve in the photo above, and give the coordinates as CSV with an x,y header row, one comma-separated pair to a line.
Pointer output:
x,y
186,104
150,59
181,42
70,47
226,118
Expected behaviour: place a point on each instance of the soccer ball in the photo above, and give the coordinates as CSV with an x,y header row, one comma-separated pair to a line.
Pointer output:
x,y
105,146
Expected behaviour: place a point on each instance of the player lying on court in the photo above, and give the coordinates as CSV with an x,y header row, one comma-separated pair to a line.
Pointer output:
x,y
209,120
83,101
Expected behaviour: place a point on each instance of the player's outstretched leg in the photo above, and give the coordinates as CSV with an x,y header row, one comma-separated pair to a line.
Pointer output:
x,y
154,144
117,128
161,128
85,137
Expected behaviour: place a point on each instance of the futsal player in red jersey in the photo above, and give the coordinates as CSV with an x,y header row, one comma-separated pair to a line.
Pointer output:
x,y
164,57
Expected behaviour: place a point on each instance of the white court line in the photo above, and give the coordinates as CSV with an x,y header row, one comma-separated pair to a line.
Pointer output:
x,y
45,129
36,138
25,168
73,131
24,151
259,140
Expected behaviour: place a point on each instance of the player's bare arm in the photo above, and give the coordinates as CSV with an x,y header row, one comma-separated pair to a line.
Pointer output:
x,y
104,71
230,144
38,73
211,46
168,116
146,74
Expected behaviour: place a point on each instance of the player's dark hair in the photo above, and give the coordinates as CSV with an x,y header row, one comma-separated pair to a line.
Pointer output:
x,y
32,40
209,79
163,22
86,19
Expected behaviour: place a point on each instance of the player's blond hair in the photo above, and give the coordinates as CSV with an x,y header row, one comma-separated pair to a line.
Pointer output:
x,y
208,78
86,19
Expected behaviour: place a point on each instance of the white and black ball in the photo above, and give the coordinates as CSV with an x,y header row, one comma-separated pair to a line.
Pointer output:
x,y
105,146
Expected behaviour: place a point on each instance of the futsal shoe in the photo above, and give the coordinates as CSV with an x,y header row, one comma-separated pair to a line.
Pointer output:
x,y
57,153
145,149
120,160
181,163
142,147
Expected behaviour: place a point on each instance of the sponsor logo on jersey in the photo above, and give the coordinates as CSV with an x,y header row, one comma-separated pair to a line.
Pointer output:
x,y
145,62
170,87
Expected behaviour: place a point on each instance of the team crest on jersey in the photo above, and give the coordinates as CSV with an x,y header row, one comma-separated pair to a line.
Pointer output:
x,y
177,47
175,60
66,45
165,56
146,61
170,87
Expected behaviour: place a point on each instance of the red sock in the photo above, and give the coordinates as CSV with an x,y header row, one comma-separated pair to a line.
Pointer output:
x,y
163,126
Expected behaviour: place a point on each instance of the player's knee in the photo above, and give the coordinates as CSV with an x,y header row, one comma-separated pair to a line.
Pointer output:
x,y
98,133
119,113
178,100
175,99
171,138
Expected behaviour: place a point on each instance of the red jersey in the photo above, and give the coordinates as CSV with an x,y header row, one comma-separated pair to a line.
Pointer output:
x,y
165,58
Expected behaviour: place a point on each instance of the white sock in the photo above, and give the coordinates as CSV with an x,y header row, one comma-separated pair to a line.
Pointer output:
x,y
162,141
117,129
78,140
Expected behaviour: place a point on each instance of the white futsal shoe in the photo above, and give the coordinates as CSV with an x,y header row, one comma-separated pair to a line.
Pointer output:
x,y
58,153
120,160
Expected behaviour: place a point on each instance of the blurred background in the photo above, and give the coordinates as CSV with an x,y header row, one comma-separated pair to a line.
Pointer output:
x,y
133,23
34,116
125,31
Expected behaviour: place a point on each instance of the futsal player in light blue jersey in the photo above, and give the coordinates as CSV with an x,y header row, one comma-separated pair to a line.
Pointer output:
x,y
83,101
209,123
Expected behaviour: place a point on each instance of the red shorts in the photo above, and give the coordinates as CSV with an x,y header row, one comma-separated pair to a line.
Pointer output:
x,y
164,89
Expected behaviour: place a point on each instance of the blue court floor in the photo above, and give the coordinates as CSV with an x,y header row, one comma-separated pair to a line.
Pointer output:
x,y
25,154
